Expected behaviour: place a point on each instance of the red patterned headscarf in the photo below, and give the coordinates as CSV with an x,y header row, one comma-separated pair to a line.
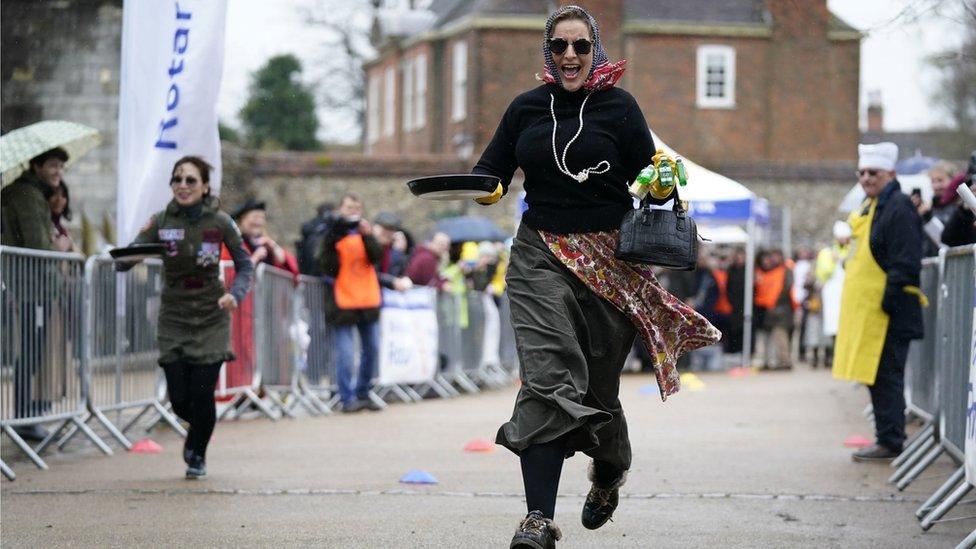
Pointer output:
x,y
603,73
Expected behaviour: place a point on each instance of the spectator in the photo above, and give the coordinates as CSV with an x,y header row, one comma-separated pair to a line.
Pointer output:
x,y
314,232
393,262
26,218
881,304
737,295
775,295
830,279
961,227
60,203
424,265
349,257
484,268
941,207
704,300
252,219
802,266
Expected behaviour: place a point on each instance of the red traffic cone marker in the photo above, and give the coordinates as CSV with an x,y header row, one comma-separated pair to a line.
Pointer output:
x,y
146,446
857,441
479,445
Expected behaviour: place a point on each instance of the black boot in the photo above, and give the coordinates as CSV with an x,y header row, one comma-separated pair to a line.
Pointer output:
x,y
536,532
602,500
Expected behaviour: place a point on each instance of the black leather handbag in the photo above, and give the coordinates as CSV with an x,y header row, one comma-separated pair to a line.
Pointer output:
x,y
667,238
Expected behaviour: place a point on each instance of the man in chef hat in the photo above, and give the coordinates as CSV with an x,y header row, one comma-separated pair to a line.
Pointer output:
x,y
881,301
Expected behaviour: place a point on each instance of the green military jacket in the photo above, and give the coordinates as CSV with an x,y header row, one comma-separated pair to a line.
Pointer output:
x,y
192,328
26,214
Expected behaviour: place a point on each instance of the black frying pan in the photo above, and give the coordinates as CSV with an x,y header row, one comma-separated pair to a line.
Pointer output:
x,y
454,186
138,252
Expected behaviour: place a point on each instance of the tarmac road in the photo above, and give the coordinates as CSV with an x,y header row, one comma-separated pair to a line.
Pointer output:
x,y
744,462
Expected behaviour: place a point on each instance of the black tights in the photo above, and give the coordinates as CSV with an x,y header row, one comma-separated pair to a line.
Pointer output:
x,y
191,392
542,464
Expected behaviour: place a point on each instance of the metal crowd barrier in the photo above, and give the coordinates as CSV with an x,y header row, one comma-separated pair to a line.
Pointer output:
x,y
955,340
240,379
951,376
122,371
41,364
317,383
80,346
920,376
277,307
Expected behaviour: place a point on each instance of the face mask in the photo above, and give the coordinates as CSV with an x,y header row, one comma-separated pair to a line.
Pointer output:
x,y
352,219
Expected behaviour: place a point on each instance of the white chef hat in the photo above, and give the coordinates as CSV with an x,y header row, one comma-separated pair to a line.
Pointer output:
x,y
880,156
841,230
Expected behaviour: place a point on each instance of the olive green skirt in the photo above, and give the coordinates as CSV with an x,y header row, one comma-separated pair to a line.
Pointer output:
x,y
572,345
194,331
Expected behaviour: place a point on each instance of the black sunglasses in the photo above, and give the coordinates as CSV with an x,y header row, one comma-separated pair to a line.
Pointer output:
x,y
190,181
871,173
581,46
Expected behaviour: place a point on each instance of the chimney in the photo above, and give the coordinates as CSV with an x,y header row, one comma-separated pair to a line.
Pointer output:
x,y
875,112
609,15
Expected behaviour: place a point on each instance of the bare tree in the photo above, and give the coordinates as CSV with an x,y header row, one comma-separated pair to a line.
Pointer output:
x,y
340,81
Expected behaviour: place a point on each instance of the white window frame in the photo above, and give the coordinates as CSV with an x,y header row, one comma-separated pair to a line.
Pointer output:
x,y
459,88
389,101
373,109
727,55
406,100
420,91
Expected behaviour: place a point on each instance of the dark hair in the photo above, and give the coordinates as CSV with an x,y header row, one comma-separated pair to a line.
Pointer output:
x,y
57,153
63,189
202,165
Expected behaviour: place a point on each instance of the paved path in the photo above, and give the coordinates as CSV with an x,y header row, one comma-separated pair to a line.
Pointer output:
x,y
745,462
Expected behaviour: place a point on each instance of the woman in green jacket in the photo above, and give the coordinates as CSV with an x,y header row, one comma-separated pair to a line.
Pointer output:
x,y
194,319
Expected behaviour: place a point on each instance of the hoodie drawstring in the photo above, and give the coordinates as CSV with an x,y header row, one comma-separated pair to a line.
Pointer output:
x,y
584,174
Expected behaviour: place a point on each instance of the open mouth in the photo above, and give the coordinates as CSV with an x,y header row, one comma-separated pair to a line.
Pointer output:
x,y
570,70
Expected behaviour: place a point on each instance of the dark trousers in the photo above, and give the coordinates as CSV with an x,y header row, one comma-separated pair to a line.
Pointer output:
x,y
888,394
191,392
34,316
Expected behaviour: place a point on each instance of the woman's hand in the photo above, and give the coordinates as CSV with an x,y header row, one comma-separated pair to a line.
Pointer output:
x,y
227,302
63,243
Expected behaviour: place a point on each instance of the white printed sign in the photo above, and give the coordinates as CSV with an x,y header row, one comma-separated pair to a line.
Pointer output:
x,y
172,61
408,336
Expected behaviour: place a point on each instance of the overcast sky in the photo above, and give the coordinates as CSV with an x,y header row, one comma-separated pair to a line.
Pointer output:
x,y
892,55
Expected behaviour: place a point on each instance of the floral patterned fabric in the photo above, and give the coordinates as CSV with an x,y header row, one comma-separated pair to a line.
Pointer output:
x,y
668,327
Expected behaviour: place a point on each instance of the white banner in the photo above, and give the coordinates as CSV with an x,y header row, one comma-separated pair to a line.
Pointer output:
x,y
408,336
970,404
172,61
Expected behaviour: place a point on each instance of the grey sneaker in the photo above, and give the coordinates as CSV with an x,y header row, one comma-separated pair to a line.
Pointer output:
x,y
197,468
536,532
875,452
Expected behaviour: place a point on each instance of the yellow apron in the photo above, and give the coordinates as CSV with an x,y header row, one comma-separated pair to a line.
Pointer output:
x,y
863,325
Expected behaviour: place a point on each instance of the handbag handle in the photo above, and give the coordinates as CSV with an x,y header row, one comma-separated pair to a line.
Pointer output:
x,y
677,207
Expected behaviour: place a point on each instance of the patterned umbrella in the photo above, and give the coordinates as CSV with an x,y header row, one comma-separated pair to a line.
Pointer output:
x,y
22,144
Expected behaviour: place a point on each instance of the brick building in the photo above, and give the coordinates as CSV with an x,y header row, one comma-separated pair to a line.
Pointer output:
x,y
729,83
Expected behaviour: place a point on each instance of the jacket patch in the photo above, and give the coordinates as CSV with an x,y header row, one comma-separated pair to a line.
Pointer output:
x,y
171,234
209,254
213,235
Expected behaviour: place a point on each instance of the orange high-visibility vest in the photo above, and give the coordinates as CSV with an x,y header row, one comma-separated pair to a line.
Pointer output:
x,y
357,286
722,306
